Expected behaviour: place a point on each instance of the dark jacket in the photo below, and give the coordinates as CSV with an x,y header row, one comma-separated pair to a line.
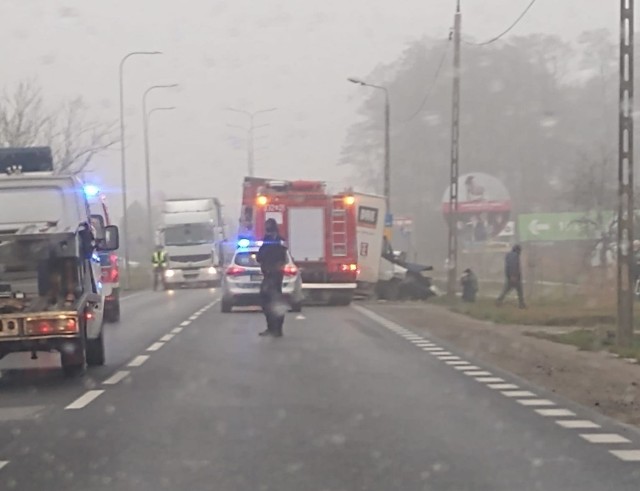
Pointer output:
x,y
512,266
272,255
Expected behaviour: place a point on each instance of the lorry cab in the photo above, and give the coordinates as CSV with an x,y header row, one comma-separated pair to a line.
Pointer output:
x,y
51,295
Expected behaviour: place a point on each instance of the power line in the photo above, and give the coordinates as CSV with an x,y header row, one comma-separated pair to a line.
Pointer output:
x,y
431,88
506,31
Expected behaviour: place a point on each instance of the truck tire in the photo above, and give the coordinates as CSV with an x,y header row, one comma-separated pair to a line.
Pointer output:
x,y
112,314
74,358
95,351
226,306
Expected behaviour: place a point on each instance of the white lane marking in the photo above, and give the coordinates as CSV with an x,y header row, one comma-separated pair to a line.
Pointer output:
x,y
166,337
3,463
424,343
536,402
484,373
193,317
176,330
457,362
503,386
85,399
116,377
185,323
555,412
447,357
433,349
577,424
138,360
627,455
155,346
300,317
518,393
466,368
604,438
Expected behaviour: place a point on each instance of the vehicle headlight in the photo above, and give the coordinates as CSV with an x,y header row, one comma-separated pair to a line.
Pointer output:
x,y
212,270
169,273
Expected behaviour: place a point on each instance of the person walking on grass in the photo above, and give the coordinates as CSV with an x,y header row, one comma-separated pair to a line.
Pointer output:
x,y
513,276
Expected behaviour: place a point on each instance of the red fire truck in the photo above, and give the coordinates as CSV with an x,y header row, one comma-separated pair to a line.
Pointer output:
x,y
319,228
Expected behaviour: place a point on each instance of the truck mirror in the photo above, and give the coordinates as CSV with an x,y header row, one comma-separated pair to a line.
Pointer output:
x,y
111,240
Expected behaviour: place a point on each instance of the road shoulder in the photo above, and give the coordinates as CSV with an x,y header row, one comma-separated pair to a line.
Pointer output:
x,y
596,380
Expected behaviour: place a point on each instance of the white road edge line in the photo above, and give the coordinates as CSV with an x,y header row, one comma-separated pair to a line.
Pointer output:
x,y
536,402
466,368
155,346
604,438
627,455
85,399
3,463
116,377
488,376
176,330
138,360
503,386
518,393
166,337
185,323
193,317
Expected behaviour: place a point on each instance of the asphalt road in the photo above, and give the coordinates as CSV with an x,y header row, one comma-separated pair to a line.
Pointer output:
x,y
193,399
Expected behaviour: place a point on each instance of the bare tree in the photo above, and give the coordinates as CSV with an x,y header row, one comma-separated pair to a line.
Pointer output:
x,y
74,138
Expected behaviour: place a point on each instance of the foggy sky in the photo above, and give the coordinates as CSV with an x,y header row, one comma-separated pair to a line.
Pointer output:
x,y
291,54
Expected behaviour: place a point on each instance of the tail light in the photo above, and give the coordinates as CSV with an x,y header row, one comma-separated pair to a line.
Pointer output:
x,y
110,275
41,327
290,270
234,270
349,268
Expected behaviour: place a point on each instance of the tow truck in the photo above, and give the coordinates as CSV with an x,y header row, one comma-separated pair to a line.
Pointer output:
x,y
319,228
51,296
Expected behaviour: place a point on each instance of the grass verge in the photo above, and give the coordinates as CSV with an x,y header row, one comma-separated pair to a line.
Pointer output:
x,y
591,340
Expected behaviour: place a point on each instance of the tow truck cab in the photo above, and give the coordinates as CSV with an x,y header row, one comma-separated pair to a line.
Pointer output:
x,y
51,296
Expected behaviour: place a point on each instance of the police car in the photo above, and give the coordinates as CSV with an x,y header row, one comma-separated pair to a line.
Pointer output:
x,y
242,278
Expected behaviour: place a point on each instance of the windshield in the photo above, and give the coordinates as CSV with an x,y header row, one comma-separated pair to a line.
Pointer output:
x,y
247,259
189,234
31,205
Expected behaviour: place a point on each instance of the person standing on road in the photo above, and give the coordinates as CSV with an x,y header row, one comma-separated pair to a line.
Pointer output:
x,y
513,273
159,262
272,257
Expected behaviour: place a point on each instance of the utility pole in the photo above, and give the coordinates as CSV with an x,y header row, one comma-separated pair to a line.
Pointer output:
x,y
625,178
250,134
452,257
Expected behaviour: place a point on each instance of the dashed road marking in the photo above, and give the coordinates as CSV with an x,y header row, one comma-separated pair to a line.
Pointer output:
x,y
3,463
424,343
604,438
155,346
300,317
433,349
185,323
503,386
556,412
194,317
466,368
518,393
627,455
176,330
457,362
167,337
448,357
536,402
138,360
484,373
116,377
579,424
85,399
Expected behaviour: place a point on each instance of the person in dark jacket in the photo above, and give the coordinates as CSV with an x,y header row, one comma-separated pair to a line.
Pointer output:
x,y
513,273
272,257
469,283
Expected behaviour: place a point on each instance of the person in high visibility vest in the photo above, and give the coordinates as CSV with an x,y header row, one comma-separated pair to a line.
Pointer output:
x,y
159,261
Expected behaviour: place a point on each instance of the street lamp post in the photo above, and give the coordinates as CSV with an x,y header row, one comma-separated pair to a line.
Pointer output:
x,y
387,138
250,134
147,121
125,231
145,125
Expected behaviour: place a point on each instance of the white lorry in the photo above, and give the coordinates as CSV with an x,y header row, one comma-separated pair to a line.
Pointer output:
x,y
377,275
192,235
51,297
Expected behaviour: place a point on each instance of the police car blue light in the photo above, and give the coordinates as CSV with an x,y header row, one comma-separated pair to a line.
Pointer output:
x,y
244,243
91,190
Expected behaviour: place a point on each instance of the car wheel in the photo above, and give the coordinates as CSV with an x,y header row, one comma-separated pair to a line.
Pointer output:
x,y
73,356
95,351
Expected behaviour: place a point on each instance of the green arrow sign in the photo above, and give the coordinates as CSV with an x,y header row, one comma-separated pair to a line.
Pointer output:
x,y
553,227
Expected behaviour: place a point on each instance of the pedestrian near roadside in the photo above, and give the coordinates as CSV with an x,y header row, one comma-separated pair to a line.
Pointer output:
x,y
159,262
513,274
272,257
469,283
